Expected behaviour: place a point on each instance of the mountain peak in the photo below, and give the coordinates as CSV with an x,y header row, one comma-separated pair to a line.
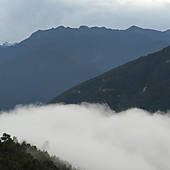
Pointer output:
x,y
134,28
84,27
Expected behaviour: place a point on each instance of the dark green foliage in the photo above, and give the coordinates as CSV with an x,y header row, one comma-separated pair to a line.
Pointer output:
x,y
15,156
142,83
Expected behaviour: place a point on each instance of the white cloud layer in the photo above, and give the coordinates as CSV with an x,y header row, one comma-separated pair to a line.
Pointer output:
x,y
20,18
94,137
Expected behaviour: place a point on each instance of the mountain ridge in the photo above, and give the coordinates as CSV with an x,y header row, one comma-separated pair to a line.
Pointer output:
x,y
52,61
131,28
142,83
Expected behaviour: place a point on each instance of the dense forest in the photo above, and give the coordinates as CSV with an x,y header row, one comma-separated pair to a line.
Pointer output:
x,y
143,83
23,156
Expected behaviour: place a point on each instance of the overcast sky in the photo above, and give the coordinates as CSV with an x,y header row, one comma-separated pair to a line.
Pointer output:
x,y
19,18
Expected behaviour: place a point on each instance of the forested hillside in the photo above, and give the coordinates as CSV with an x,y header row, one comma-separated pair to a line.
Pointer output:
x,y
16,156
142,83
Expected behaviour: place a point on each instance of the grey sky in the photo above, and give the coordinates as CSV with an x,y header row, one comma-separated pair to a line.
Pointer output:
x,y
19,18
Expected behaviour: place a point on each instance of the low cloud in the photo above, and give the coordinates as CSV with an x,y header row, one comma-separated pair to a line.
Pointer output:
x,y
93,137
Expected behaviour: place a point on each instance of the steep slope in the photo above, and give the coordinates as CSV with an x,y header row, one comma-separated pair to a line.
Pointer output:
x,y
51,61
16,156
142,83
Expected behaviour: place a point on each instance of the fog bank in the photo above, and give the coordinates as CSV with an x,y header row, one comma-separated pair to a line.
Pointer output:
x,y
93,137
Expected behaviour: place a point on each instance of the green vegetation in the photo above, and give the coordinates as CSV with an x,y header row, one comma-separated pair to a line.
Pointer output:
x,y
142,83
16,156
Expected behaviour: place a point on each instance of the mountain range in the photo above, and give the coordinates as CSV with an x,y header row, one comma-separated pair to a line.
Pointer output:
x,y
142,83
52,61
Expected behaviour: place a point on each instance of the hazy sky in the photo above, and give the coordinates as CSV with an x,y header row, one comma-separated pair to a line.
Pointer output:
x,y
19,18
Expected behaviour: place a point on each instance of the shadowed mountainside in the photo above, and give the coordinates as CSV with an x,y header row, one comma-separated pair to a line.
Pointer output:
x,y
142,83
52,61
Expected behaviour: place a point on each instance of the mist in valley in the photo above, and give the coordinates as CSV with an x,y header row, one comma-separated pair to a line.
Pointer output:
x,y
92,136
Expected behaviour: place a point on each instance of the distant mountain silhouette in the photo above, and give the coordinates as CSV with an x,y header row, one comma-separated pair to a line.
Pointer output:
x,y
7,44
142,83
51,61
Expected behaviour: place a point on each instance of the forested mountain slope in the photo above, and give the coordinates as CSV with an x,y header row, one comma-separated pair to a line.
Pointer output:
x,y
142,83
16,156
